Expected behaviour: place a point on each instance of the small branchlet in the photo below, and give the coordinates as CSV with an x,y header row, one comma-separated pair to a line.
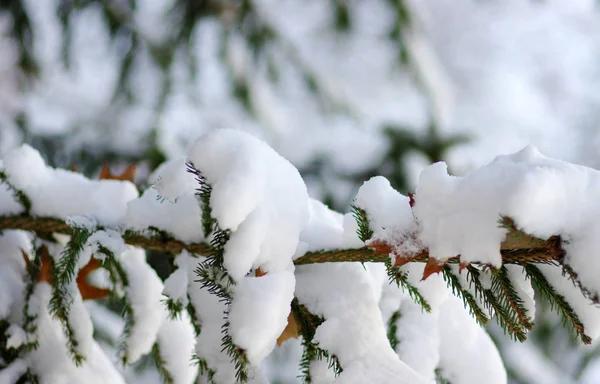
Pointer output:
x,y
557,302
468,299
203,193
505,317
398,276
64,272
364,231
308,324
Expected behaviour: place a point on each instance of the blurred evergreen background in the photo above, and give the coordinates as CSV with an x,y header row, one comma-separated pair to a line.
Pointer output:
x,y
345,89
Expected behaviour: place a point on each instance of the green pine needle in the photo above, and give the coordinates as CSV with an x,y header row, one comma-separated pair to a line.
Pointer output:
x,y
468,299
557,302
396,275
392,329
364,230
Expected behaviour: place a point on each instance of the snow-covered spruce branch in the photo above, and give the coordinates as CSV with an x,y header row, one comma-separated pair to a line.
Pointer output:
x,y
517,248
255,260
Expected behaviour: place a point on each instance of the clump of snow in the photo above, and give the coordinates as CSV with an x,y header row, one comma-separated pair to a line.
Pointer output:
x,y
418,337
13,371
176,340
259,312
80,322
459,215
107,238
10,206
467,353
176,285
172,180
51,362
181,219
323,231
15,336
256,194
262,199
82,222
390,216
353,329
144,294
209,311
60,193
12,269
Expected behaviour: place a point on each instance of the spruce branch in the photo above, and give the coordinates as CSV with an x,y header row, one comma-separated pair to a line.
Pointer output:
x,y
496,303
174,307
308,324
119,278
557,302
508,295
468,299
536,251
62,298
203,193
398,276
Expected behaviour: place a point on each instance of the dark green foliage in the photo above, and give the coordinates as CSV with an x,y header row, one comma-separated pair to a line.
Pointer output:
x,y
509,298
468,299
23,32
67,264
174,307
215,279
343,22
557,302
30,321
392,329
396,275
64,272
307,324
364,231
493,300
119,277
160,364
203,193
439,377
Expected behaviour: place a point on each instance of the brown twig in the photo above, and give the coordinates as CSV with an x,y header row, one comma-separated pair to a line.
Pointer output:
x,y
515,250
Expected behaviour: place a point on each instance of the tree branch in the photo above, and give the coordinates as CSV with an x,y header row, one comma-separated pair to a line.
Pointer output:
x,y
517,248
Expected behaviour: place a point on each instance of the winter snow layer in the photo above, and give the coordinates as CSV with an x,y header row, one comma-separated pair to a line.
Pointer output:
x,y
359,301
261,198
545,197
60,193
